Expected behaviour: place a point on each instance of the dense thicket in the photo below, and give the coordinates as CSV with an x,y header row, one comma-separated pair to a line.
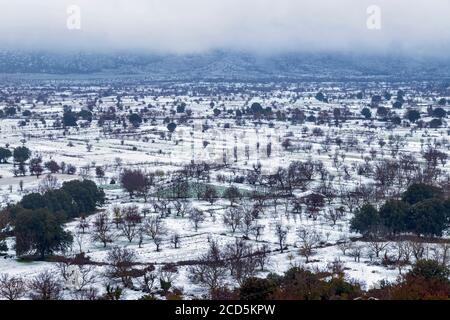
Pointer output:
x,y
423,210
38,219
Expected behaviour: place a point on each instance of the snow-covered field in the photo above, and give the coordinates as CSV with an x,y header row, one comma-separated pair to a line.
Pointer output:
x,y
211,133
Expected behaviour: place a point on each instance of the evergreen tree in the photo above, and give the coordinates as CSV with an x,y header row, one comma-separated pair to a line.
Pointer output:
x,y
40,231
394,216
85,194
366,220
419,192
21,154
429,218
70,118
5,154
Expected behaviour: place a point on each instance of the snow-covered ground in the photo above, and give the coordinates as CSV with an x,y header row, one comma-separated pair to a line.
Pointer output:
x,y
151,147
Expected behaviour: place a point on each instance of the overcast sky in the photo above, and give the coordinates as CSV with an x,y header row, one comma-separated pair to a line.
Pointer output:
x,y
186,26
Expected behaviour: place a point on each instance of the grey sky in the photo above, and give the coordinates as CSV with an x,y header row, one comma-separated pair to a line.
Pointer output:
x,y
185,26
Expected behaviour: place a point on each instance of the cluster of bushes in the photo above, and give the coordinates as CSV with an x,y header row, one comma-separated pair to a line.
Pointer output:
x,y
422,210
427,280
296,284
300,284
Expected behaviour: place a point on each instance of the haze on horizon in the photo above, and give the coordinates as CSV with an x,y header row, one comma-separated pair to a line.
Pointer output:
x,y
412,27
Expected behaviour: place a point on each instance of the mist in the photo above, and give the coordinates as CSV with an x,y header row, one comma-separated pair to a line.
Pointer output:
x,y
412,27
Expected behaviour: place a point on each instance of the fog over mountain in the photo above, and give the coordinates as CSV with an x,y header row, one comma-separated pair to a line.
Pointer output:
x,y
226,39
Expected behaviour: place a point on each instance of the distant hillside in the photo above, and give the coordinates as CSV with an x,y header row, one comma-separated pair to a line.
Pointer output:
x,y
227,66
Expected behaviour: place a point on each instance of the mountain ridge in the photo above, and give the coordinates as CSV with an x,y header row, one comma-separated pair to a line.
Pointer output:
x,y
226,65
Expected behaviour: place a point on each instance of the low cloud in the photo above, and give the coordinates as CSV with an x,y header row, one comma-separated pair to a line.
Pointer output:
x,y
263,26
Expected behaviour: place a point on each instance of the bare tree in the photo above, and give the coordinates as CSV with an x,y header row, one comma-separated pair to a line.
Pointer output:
x,y
88,294
175,239
233,217
407,252
45,286
308,240
158,241
442,253
262,256
83,225
102,229
11,288
418,249
121,261
196,217
345,245
248,219
130,222
64,268
356,253
333,216
376,246
79,239
257,231
281,233
148,280
86,276
434,157
181,207
399,254
48,183
154,227
76,272
162,207
336,267
211,269
167,275
240,258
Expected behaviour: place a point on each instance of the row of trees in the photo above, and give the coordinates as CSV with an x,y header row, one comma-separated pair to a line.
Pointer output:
x,y
139,183
132,225
35,166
